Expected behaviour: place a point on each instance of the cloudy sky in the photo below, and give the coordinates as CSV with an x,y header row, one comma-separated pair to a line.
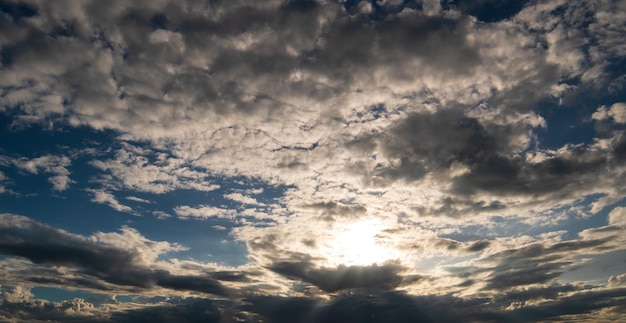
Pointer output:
x,y
313,161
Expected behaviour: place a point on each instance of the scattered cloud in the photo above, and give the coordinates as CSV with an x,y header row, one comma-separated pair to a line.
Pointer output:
x,y
145,170
203,212
104,197
344,160
243,199
138,199
124,259
48,164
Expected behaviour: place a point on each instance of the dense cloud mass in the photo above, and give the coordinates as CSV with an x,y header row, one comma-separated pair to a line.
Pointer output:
x,y
312,161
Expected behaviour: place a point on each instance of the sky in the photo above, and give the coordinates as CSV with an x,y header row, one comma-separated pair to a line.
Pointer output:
x,y
313,161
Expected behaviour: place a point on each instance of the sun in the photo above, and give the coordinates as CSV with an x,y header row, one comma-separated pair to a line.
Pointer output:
x,y
358,244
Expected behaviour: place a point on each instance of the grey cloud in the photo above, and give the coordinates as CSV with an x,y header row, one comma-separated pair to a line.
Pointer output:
x,y
18,10
551,292
445,245
538,263
63,282
263,243
47,246
356,306
521,275
187,310
433,143
619,150
539,250
381,277
424,143
281,309
228,59
76,310
459,206
392,307
478,246
578,303
367,307
560,176
27,309
332,210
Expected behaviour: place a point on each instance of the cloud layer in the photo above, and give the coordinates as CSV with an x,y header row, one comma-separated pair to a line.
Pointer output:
x,y
478,148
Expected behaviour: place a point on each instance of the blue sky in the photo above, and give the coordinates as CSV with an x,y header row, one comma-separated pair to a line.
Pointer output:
x,y
312,161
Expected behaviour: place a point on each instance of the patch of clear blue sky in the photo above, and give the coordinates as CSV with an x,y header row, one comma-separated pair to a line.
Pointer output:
x,y
73,211
572,222
570,122
599,269
58,295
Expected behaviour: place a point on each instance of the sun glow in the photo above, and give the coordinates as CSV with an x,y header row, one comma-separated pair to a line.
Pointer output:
x,y
358,244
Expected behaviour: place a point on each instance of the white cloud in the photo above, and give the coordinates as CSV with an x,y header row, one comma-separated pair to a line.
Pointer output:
x,y
130,239
150,171
16,294
104,197
203,212
618,112
137,199
243,199
617,216
617,280
48,164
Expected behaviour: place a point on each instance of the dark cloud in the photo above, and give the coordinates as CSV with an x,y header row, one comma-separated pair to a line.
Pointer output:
x,y
282,309
26,309
355,45
187,310
435,143
619,151
380,277
63,282
460,206
17,305
507,276
560,176
17,10
579,303
424,143
357,307
540,250
47,246
479,246
538,263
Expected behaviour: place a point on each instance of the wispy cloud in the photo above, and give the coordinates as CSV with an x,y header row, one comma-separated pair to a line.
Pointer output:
x,y
57,166
104,197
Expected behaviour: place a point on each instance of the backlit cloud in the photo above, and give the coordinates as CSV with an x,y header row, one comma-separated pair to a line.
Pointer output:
x,y
312,161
